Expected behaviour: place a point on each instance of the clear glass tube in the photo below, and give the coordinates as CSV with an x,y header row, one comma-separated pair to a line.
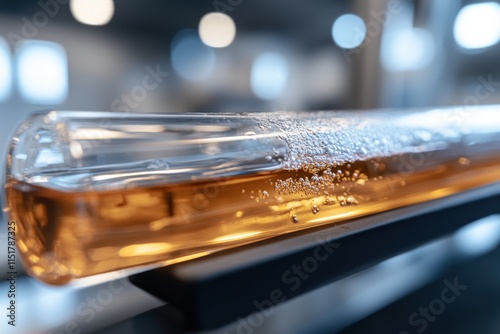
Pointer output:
x,y
94,192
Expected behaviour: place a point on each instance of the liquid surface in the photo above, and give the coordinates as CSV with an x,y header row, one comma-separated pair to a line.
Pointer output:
x,y
65,235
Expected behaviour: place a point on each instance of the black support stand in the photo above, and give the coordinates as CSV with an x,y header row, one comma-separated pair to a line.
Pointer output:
x,y
215,290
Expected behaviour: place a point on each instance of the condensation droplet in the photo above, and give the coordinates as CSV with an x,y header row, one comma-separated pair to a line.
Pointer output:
x,y
314,209
158,164
211,149
50,117
294,219
268,158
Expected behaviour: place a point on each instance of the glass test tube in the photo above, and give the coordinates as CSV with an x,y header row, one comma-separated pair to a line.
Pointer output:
x,y
94,192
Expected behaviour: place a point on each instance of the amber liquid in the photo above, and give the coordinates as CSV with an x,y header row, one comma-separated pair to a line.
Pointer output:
x,y
66,235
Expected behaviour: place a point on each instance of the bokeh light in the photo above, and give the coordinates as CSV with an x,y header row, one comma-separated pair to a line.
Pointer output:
x,y
407,49
269,75
92,12
5,70
349,31
478,25
217,30
192,60
42,71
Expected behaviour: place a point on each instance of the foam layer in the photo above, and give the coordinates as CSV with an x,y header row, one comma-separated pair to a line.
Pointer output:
x,y
322,140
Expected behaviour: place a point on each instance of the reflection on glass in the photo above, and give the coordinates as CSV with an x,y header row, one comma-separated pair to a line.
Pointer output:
x,y
479,237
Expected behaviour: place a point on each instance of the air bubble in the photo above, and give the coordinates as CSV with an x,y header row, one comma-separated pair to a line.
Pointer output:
x,y
329,201
351,200
211,150
464,161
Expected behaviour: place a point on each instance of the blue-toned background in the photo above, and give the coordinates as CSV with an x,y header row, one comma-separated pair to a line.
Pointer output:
x,y
177,56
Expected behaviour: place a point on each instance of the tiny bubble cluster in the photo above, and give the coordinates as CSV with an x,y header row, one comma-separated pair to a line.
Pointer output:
x,y
158,164
326,150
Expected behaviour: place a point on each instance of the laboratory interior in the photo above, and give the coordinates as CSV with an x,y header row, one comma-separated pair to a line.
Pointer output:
x,y
249,166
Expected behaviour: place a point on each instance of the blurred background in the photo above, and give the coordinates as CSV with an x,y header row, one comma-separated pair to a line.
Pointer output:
x,y
237,56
